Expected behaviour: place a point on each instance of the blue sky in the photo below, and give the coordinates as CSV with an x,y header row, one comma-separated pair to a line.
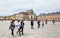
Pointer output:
x,y
9,7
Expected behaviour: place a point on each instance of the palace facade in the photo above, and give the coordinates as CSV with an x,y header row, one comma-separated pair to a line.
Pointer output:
x,y
50,16
28,15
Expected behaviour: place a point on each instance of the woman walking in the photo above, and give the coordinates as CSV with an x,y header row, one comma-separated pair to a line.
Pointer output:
x,y
18,26
12,26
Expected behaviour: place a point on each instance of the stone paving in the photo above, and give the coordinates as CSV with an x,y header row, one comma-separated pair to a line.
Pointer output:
x,y
49,30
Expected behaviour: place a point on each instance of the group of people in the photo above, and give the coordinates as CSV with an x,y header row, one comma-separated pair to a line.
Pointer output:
x,y
20,26
38,22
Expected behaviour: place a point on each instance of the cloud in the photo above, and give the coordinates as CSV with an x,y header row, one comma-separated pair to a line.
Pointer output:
x,y
8,7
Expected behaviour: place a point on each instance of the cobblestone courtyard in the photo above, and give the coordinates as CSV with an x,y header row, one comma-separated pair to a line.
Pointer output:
x,y
49,30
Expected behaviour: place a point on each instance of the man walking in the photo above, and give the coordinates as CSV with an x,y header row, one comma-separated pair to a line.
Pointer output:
x,y
32,24
38,24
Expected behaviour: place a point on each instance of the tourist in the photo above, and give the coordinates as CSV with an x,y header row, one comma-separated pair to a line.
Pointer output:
x,y
18,26
32,24
12,26
45,21
21,28
42,23
53,21
38,22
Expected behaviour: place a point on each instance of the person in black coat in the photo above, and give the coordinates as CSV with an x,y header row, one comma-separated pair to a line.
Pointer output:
x,y
45,21
32,24
12,26
21,28
38,22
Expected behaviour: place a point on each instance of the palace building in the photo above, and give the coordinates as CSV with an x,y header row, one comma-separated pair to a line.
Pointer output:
x,y
50,16
28,15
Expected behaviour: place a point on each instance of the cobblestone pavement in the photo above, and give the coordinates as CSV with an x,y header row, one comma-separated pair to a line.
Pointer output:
x,y
49,30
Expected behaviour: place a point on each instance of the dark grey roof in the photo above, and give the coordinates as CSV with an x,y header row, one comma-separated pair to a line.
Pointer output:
x,y
54,13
